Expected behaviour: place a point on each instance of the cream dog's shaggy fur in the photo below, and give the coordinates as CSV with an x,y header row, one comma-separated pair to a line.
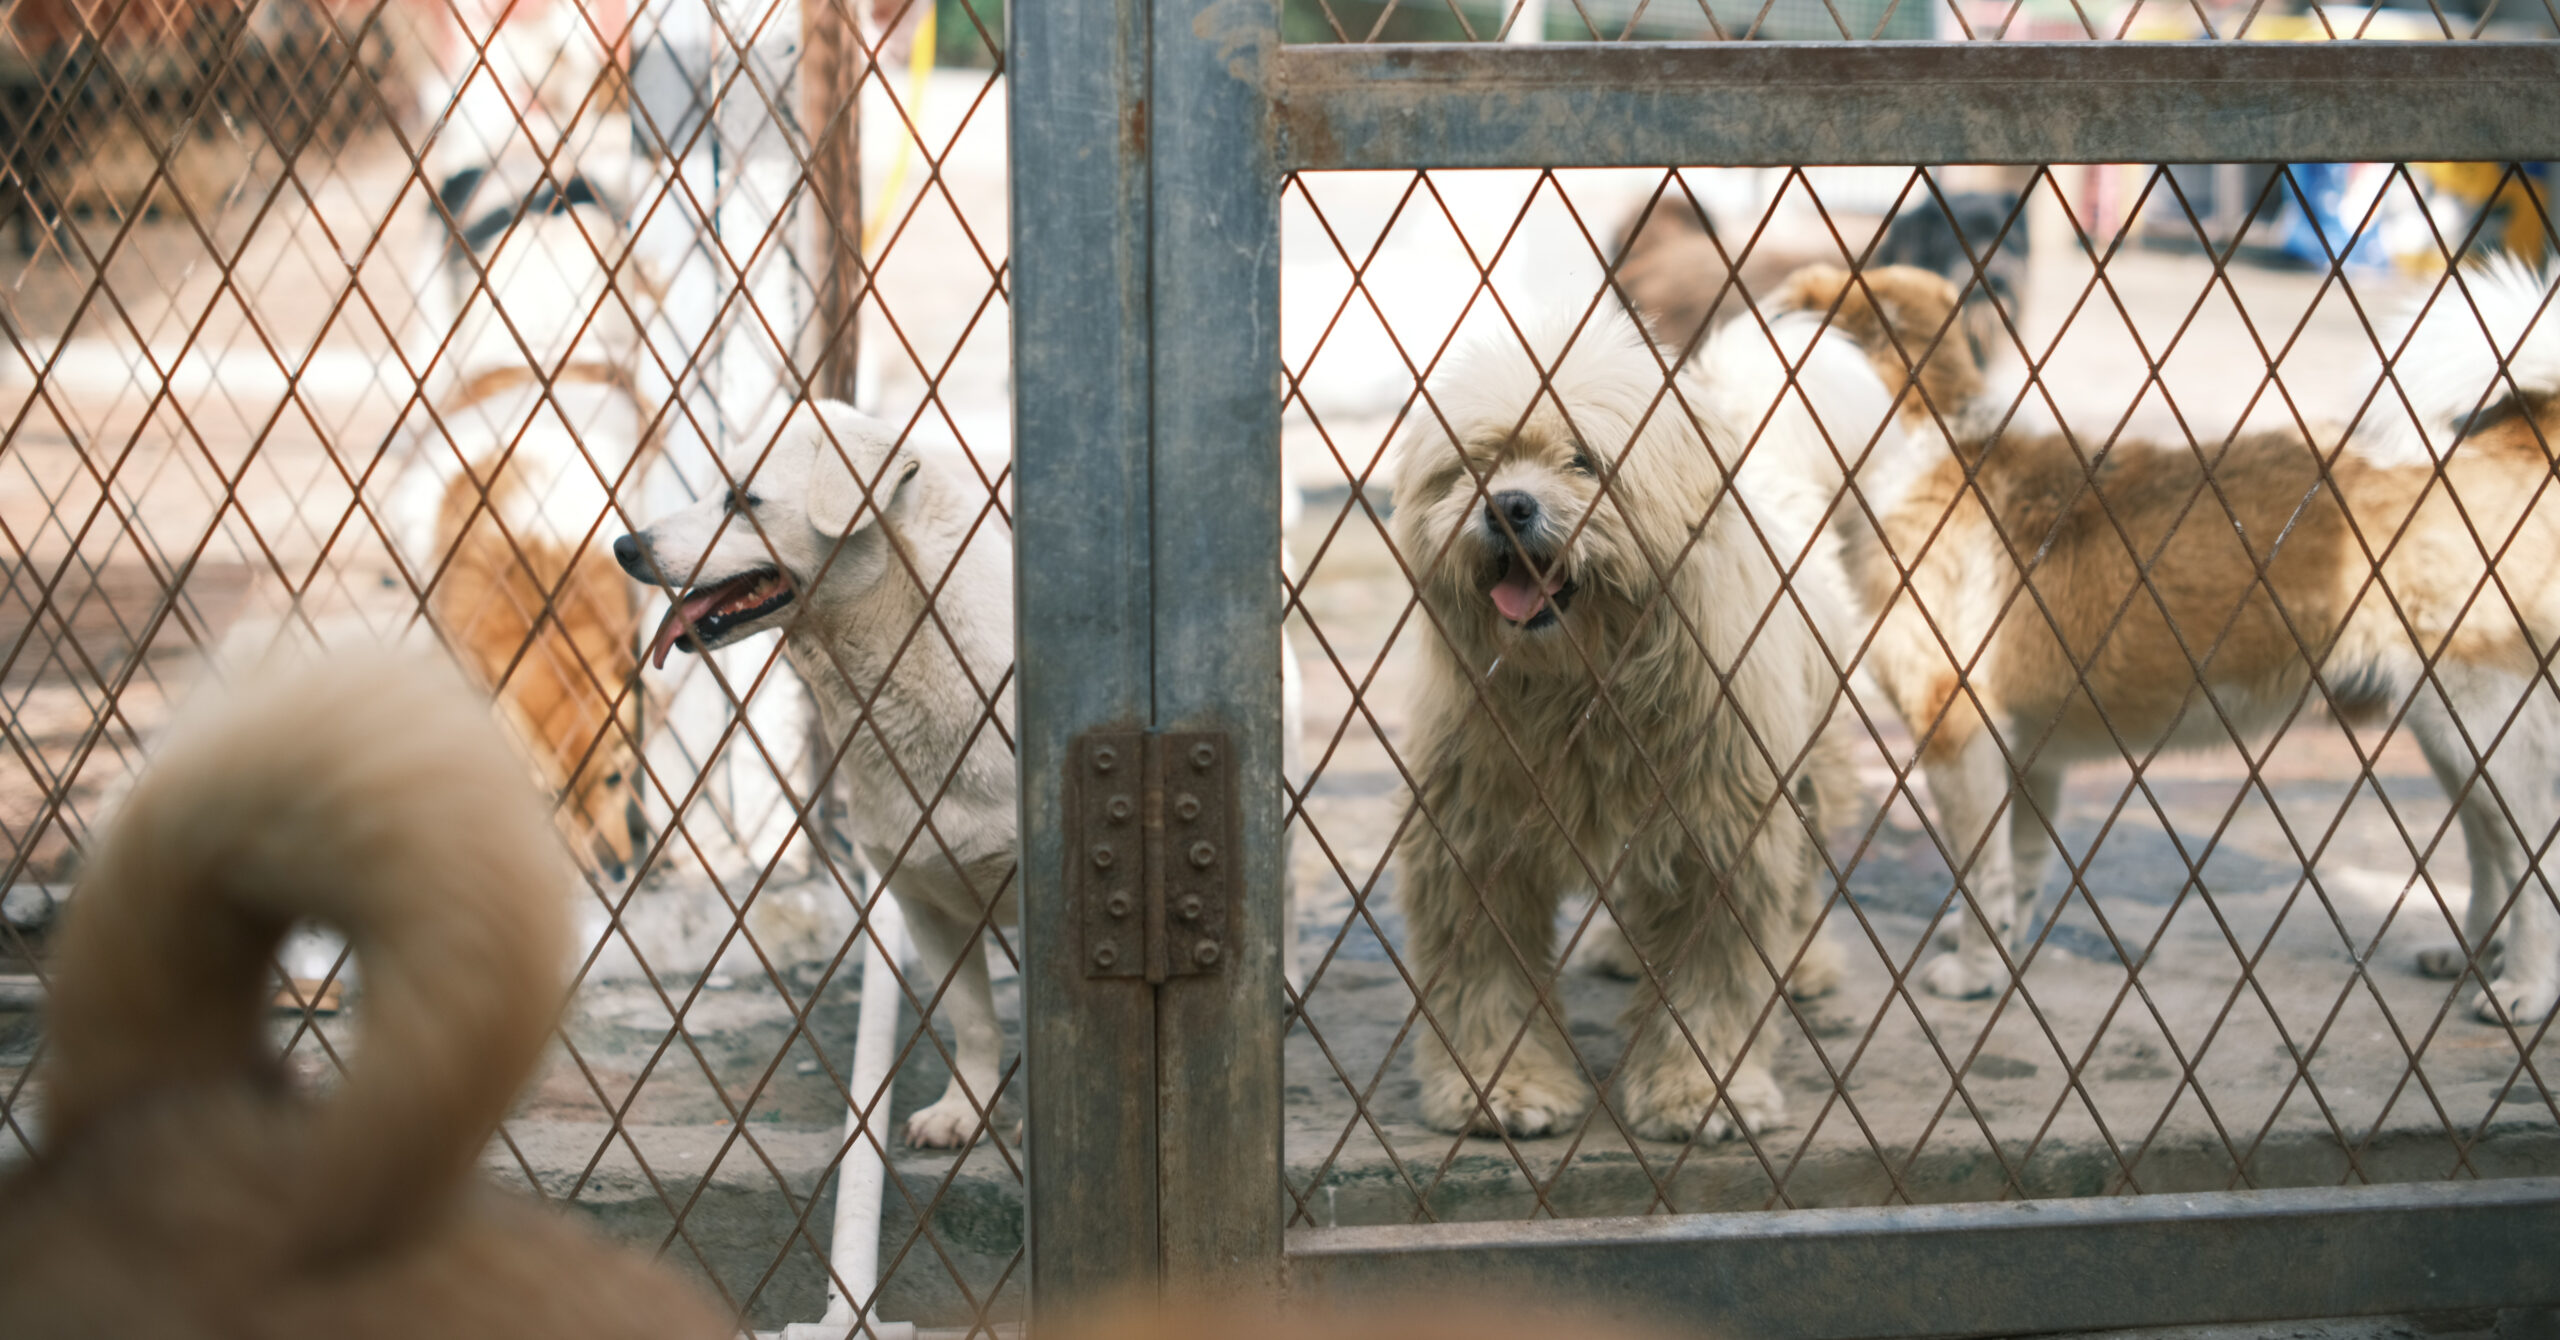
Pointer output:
x,y
893,584
1617,691
2175,608
181,1189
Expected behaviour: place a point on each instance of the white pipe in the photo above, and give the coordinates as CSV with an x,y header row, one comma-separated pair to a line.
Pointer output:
x,y
854,1249
1531,24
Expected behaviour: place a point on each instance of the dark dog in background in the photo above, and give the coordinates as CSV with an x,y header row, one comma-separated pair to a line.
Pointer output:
x,y
1677,271
1678,276
1948,238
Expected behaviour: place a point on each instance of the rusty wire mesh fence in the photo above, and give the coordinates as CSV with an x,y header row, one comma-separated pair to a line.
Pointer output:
x,y
1550,573
336,322
343,321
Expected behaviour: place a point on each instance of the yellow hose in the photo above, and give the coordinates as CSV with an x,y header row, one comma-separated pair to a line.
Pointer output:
x,y
919,70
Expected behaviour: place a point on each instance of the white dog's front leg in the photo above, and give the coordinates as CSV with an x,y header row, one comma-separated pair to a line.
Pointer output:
x,y
1969,788
950,951
2509,813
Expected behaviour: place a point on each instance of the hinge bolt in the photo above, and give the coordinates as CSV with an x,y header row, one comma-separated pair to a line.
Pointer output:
x,y
1188,807
1103,759
1102,858
1119,809
1105,956
1118,905
1202,854
1205,953
1191,908
1202,756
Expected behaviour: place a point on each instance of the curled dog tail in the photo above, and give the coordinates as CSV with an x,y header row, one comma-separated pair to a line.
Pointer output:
x,y
369,791
2487,343
1805,390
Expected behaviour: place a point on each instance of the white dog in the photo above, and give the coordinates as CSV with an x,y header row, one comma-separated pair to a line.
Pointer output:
x,y
895,593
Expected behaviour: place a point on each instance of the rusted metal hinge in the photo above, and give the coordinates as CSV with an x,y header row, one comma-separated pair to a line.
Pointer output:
x,y
1152,838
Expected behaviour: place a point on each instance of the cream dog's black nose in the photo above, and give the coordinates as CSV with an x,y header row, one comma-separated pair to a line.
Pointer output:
x,y
634,559
1515,509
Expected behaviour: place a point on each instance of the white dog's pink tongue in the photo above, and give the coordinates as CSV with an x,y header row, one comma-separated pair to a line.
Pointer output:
x,y
681,616
1520,595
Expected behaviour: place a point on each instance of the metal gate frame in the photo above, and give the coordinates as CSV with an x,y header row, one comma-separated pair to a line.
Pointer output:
x,y
1147,422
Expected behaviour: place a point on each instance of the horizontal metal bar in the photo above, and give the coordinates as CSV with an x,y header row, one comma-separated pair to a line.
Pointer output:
x,y
2006,1269
1775,103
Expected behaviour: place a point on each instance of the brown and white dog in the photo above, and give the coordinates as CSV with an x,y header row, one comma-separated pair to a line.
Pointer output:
x,y
507,503
181,1187
2172,608
1617,690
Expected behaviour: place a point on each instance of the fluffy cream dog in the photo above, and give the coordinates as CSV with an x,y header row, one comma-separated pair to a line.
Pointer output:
x,y
2005,695
1617,691
181,1188
894,590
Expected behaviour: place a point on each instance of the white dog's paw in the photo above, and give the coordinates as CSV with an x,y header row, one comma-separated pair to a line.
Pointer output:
x,y
2446,962
2524,1003
947,1124
1964,977
1604,952
1818,972
1680,1102
1532,1096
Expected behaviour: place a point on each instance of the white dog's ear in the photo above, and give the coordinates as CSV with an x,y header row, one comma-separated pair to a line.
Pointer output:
x,y
835,492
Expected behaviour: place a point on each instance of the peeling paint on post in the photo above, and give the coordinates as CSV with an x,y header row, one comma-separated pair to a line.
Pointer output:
x,y
1217,612
1083,649
1147,429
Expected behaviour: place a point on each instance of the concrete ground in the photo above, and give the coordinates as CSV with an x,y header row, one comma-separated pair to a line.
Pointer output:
x,y
2324,1059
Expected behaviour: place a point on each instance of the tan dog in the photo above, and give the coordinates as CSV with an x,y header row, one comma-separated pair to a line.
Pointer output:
x,y
182,1189
547,624
2006,694
1564,535
509,494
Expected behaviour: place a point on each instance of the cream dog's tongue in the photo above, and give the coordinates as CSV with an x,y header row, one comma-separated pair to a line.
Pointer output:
x,y
1520,595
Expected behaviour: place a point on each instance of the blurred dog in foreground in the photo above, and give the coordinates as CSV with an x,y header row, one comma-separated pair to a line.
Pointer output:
x,y
182,1189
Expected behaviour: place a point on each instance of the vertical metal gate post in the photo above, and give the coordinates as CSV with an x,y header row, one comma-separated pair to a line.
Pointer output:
x,y
1216,292
1146,329
1083,650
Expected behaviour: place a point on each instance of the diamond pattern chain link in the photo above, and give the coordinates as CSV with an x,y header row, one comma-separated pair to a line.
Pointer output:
x,y
264,297
1938,1100
328,311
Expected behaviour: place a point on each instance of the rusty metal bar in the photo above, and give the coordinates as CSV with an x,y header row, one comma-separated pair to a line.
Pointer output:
x,y
1083,574
832,65
2005,1269
1809,103
1216,535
